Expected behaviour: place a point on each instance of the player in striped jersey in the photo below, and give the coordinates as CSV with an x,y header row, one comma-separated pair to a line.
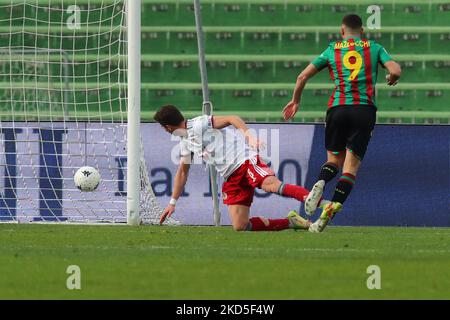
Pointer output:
x,y
241,167
353,66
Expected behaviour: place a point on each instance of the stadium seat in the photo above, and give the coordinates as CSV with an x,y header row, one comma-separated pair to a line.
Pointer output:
x,y
274,68
307,13
260,43
287,40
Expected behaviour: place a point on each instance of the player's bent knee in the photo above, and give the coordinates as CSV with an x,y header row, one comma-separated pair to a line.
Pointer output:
x,y
271,184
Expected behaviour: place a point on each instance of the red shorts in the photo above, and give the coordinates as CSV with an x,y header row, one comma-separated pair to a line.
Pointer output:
x,y
240,187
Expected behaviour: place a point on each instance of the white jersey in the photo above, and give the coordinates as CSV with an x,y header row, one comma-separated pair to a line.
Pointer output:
x,y
225,149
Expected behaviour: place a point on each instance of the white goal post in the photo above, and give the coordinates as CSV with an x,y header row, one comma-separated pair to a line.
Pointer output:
x,y
134,110
70,96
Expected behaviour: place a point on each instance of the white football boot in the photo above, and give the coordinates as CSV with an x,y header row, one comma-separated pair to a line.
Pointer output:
x,y
313,198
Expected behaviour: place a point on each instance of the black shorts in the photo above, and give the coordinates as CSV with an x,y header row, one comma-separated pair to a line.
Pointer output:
x,y
349,127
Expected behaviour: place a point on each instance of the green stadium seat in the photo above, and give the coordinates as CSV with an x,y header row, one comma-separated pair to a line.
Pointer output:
x,y
432,99
219,71
185,14
412,14
410,42
273,40
266,14
300,43
246,42
270,69
301,14
396,100
268,97
439,13
437,71
185,42
261,42
279,12
440,43
154,98
223,42
420,71
159,14
156,42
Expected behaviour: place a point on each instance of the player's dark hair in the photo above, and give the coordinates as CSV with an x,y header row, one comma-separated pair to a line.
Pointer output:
x,y
168,115
352,21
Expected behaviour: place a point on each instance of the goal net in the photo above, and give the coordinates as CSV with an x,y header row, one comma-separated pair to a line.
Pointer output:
x,y
63,105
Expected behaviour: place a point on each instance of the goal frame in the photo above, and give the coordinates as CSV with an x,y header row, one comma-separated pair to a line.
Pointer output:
x,y
133,20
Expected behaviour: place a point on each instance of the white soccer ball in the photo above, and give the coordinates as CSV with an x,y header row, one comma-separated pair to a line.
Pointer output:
x,y
87,179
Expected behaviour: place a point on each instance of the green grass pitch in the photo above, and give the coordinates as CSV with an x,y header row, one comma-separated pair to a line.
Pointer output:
x,y
152,262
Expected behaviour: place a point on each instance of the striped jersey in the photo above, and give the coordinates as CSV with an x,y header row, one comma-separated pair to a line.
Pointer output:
x,y
353,66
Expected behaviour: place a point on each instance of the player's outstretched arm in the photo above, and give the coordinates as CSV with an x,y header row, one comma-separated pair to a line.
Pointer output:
x,y
395,71
291,108
179,182
221,122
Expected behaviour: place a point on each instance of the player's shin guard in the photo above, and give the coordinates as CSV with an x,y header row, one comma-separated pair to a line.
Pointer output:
x,y
257,224
343,187
328,172
293,191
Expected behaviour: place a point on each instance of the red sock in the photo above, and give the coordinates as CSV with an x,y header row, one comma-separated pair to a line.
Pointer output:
x,y
256,224
296,192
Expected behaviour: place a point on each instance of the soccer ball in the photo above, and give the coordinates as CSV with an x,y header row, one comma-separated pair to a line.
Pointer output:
x,y
87,179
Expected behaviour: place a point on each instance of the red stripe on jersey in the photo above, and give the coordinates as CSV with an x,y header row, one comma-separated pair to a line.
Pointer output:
x,y
330,70
330,102
354,82
338,60
368,72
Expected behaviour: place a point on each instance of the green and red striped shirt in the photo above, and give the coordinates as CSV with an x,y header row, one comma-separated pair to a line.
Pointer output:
x,y
353,66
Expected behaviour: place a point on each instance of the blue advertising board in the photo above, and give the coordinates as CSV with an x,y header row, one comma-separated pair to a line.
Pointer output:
x,y
404,179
